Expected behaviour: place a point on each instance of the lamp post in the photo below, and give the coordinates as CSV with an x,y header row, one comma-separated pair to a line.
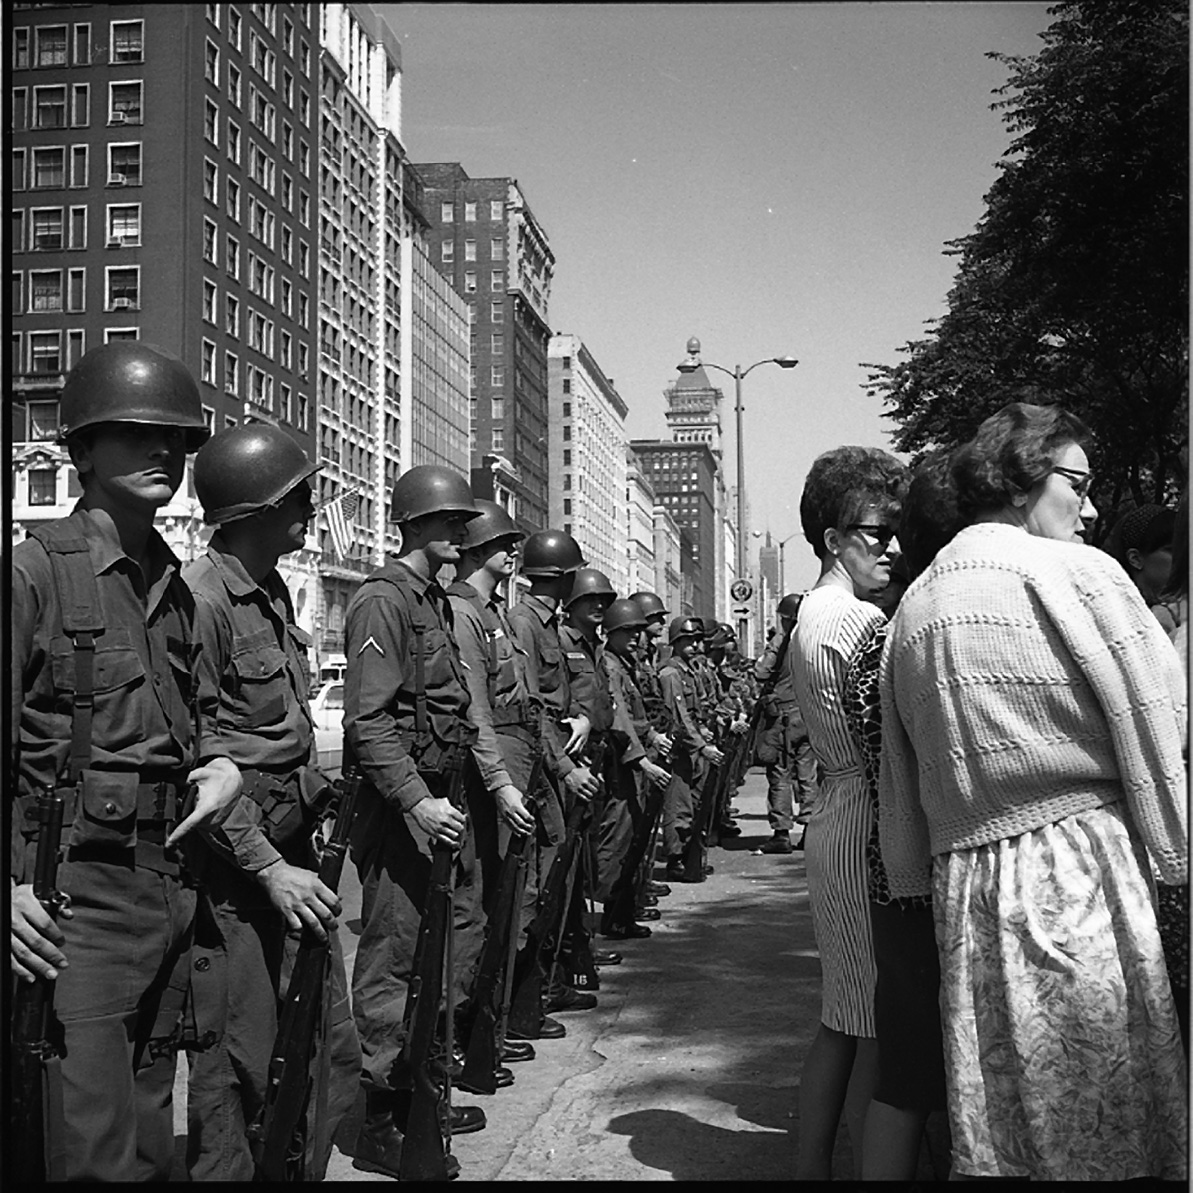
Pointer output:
x,y
690,364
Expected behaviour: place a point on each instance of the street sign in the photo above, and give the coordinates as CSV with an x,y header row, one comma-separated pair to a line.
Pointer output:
x,y
742,611
741,590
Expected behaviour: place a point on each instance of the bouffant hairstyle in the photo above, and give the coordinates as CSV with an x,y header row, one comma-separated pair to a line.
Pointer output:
x,y
1013,450
843,482
930,515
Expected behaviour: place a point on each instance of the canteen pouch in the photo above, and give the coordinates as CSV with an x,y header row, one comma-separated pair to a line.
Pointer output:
x,y
106,810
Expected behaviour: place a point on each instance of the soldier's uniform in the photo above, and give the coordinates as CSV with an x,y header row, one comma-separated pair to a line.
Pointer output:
x,y
253,702
783,744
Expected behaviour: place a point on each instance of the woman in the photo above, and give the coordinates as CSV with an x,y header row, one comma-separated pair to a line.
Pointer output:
x,y
1141,540
1033,727
849,512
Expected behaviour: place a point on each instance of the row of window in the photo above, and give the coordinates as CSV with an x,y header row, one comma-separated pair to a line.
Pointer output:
x,y
447,211
259,106
211,131
50,353
60,106
51,229
259,330
260,273
448,250
59,166
266,14
43,290
259,386
49,45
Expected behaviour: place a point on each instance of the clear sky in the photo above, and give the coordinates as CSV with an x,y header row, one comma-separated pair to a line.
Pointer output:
x,y
772,178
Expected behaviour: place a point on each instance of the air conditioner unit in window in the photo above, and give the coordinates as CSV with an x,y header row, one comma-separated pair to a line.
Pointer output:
x,y
48,240
116,118
122,304
132,117
117,179
115,242
130,238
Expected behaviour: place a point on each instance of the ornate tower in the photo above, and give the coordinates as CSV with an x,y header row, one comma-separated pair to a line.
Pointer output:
x,y
694,407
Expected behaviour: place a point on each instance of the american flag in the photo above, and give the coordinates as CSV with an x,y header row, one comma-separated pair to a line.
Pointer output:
x,y
340,513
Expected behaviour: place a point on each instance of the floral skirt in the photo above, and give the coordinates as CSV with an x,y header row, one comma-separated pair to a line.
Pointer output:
x,y
1062,1049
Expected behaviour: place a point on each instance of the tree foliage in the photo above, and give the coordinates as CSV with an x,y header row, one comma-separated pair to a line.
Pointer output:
x,y
1073,288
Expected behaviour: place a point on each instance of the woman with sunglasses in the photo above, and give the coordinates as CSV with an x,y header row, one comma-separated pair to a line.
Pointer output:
x,y
849,511
1033,720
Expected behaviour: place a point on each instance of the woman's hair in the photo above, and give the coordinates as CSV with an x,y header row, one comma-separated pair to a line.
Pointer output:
x,y
1178,579
843,482
1146,528
930,514
1013,450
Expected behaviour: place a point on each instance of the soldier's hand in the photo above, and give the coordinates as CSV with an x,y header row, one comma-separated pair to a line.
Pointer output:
x,y
513,811
300,896
36,938
582,782
739,726
217,788
663,744
581,728
713,755
439,820
656,774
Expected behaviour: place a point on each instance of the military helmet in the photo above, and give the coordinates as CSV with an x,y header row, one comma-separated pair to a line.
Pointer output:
x,y
245,469
721,635
685,627
651,604
129,381
789,605
551,553
624,614
589,582
493,524
431,489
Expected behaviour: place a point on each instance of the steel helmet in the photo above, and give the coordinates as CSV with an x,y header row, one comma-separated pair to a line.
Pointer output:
x,y
721,635
624,614
551,553
685,627
431,489
129,381
650,604
589,582
247,468
493,524
789,605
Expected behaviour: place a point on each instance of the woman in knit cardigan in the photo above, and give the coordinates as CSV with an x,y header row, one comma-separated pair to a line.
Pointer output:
x,y
1034,729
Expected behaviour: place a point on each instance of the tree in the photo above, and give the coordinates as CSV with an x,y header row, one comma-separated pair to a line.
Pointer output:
x,y
1073,288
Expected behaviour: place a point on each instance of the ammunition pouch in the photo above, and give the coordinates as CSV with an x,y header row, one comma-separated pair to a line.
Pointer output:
x,y
291,804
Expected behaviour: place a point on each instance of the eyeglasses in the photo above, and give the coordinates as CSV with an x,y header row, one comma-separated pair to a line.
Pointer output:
x,y
883,535
1080,481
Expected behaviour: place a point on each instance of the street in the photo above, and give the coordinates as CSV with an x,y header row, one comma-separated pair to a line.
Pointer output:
x,y
689,1067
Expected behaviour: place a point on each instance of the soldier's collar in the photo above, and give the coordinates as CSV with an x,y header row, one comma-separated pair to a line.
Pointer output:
x,y
105,548
232,571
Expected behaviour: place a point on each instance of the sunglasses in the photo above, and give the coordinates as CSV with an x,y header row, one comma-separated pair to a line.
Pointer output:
x,y
1080,481
884,535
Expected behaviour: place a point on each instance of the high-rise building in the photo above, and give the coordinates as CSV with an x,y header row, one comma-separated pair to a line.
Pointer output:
x,y
768,563
587,442
487,242
640,504
668,564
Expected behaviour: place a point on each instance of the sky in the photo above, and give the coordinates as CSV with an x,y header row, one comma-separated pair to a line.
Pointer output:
x,y
774,179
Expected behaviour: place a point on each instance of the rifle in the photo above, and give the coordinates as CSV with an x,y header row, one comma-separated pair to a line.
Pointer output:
x,y
693,855
490,1000
427,1142
36,1120
623,901
278,1137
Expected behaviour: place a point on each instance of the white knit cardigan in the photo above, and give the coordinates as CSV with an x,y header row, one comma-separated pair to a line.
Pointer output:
x,y
1023,680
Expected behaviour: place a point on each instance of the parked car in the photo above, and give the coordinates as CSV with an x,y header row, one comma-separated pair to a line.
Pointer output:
x,y
327,711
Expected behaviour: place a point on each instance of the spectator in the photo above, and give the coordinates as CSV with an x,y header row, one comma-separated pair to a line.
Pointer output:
x,y
1141,540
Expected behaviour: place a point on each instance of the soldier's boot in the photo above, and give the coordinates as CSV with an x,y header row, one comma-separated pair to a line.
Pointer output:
x,y
379,1142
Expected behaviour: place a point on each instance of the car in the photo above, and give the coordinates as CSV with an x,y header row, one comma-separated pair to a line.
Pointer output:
x,y
327,711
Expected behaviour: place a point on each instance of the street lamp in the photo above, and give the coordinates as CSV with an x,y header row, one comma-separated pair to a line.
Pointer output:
x,y
690,364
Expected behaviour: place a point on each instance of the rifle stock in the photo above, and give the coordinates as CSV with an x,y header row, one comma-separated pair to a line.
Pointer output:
x,y
36,1121
623,903
279,1136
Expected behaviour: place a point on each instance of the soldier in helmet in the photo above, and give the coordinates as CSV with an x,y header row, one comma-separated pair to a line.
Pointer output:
x,y
405,708
783,742
103,687
259,868
506,721
692,747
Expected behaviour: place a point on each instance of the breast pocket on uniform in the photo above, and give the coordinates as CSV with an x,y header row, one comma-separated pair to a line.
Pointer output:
x,y
259,685
117,679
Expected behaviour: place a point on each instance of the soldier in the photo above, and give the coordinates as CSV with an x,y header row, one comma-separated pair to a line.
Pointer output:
x,y
692,748
103,709
259,868
733,704
506,721
639,745
783,743
405,708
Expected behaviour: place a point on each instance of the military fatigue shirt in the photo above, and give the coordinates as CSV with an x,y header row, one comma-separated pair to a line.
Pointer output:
x,y
496,673
782,699
588,679
639,734
682,695
380,683
535,625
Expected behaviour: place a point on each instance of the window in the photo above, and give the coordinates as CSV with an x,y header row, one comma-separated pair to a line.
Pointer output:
x,y
497,343
209,301
445,213
124,224
497,249
207,363
232,256
304,159
288,36
232,315
232,198
51,45
209,242
47,228
497,312
470,213
120,333
43,420
128,40
567,385
567,410
43,486
213,14
567,456
45,352
304,311
18,169
497,408
304,57
124,288
448,251
497,281
124,165
231,373
470,250
233,85
286,353
287,298
304,359
234,27
304,411
567,433
211,63
211,122
49,107
285,403
78,165
498,440
304,259
124,103
287,88
567,506
470,283
304,108
82,45
567,364
234,141
497,375
262,113
496,209
78,227
304,209
20,49
211,176
471,313
80,105
262,58
287,245
49,168
45,290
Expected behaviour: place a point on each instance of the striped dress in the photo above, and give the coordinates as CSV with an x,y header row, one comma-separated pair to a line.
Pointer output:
x,y
832,626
